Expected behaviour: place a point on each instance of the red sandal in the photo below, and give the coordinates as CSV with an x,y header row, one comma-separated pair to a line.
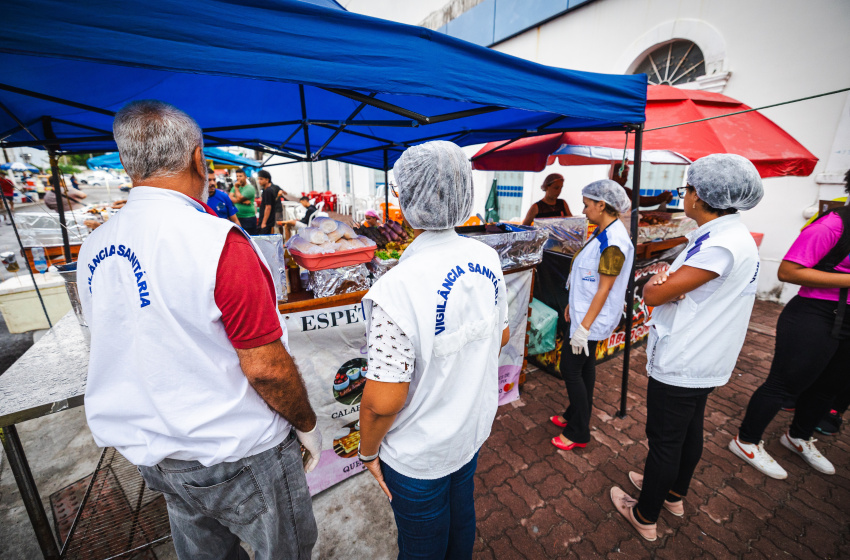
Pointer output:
x,y
554,420
556,441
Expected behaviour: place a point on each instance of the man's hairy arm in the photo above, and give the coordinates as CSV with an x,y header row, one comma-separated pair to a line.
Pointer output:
x,y
272,373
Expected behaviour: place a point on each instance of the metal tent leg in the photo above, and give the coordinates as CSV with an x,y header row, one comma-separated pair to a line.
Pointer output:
x,y
29,492
630,291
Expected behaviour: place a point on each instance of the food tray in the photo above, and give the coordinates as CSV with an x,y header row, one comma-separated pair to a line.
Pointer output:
x,y
338,259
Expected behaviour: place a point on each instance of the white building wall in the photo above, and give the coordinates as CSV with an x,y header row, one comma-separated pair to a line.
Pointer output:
x,y
773,51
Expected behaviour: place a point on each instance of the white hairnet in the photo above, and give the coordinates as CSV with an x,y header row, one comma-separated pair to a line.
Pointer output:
x,y
726,181
608,191
434,185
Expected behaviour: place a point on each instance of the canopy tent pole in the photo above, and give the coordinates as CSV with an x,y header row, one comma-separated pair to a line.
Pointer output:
x,y
386,189
630,290
60,206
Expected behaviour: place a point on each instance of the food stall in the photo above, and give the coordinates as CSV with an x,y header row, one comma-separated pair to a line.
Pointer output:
x,y
661,237
325,319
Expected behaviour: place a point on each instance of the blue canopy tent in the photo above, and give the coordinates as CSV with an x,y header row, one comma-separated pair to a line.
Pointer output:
x,y
216,155
305,80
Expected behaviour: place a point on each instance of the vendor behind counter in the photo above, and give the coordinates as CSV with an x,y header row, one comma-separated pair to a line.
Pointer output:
x,y
550,206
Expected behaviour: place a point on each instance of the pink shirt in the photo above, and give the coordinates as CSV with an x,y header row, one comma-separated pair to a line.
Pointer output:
x,y
813,243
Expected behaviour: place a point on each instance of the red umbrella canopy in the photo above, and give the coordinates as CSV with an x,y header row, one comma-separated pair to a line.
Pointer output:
x,y
773,151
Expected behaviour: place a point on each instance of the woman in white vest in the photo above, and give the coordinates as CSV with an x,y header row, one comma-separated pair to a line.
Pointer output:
x,y
598,278
436,324
702,309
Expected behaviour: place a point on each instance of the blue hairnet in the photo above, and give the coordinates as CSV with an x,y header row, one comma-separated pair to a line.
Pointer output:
x,y
606,190
726,181
434,185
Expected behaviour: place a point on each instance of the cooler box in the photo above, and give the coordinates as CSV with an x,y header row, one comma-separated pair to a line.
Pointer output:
x,y
20,306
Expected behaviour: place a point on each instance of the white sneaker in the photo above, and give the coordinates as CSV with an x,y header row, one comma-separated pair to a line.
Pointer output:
x,y
757,457
807,450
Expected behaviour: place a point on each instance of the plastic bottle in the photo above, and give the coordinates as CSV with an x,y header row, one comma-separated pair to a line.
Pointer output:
x,y
39,259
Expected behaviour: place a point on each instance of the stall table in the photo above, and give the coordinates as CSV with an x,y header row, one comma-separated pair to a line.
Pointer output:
x,y
650,258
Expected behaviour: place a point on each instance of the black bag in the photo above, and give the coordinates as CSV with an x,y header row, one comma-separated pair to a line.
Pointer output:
x,y
832,259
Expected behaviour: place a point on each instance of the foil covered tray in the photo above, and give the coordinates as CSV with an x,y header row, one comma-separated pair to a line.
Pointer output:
x,y
566,235
336,281
518,246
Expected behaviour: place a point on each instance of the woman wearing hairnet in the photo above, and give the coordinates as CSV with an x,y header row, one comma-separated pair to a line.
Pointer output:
x,y
436,323
550,206
598,278
702,309
811,364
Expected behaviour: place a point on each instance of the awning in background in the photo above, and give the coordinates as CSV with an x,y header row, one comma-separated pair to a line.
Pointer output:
x,y
112,161
772,150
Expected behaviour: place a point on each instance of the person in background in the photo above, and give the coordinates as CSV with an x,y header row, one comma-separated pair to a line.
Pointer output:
x,y
290,225
372,219
599,275
270,206
811,363
702,311
201,393
75,196
219,201
645,201
432,391
74,183
550,206
243,194
7,189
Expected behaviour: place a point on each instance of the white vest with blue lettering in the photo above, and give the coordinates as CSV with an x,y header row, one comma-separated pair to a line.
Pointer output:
x,y
164,380
448,296
697,344
584,281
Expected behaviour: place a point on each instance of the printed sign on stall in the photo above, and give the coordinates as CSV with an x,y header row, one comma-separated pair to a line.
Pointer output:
x,y
330,349
518,287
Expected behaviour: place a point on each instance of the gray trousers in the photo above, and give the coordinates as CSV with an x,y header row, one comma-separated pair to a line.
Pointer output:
x,y
262,500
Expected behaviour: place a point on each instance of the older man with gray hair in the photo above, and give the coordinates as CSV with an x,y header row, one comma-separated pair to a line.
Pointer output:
x,y
189,375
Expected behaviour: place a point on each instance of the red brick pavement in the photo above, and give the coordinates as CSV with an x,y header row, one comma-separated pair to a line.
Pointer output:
x,y
534,501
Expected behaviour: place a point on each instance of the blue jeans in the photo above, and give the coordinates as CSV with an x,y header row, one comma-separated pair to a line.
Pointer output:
x,y
435,518
262,500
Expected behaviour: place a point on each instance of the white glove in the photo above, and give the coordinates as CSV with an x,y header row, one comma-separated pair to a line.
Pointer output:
x,y
579,340
312,442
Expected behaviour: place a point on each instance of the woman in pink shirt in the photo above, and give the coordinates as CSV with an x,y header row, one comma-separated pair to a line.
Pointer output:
x,y
811,363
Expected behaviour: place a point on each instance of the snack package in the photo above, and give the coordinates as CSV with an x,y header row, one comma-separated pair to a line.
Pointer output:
x,y
301,245
335,235
314,235
365,241
347,232
327,225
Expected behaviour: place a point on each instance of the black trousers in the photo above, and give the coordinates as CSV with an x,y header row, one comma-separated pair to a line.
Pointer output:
x,y
809,366
249,225
674,420
579,374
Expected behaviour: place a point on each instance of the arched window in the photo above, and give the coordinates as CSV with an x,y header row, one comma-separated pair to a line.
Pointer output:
x,y
674,63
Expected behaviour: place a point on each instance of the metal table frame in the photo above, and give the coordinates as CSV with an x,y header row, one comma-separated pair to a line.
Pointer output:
x,y
48,378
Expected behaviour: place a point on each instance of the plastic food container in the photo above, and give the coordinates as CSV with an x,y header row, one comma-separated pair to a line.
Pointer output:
x,y
333,260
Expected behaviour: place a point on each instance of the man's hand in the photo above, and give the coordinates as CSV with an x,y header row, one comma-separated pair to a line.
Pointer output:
x,y
374,468
272,373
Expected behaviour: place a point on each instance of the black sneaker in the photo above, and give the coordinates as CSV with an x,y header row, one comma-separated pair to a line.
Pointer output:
x,y
830,424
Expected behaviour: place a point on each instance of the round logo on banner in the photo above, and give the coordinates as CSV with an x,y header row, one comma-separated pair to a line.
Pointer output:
x,y
349,381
